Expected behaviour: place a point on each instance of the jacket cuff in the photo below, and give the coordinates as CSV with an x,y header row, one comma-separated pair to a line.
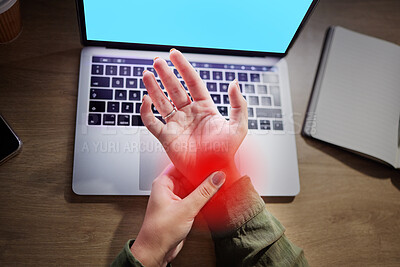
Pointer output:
x,y
125,257
232,207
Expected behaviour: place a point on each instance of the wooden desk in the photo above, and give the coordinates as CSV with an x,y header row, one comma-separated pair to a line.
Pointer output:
x,y
348,211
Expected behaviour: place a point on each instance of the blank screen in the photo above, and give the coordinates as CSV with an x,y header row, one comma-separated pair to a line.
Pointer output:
x,y
252,25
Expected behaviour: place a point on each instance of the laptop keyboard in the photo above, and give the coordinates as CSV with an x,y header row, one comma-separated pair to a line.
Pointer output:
x,y
117,89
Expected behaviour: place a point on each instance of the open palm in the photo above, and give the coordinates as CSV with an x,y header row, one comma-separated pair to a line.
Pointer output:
x,y
196,137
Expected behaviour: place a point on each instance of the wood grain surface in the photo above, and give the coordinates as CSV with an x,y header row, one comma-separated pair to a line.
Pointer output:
x,y
347,213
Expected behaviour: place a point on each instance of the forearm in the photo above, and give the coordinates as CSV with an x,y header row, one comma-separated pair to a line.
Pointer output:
x,y
245,233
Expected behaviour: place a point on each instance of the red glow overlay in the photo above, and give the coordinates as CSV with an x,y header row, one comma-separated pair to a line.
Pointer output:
x,y
218,211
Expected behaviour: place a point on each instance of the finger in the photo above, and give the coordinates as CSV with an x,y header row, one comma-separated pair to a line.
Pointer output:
x,y
161,185
203,193
153,124
238,103
174,88
161,102
192,79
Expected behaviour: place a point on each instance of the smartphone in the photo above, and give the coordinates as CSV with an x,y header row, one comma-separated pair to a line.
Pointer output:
x,y
10,144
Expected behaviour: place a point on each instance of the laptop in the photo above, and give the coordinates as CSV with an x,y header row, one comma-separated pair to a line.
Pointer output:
x,y
115,154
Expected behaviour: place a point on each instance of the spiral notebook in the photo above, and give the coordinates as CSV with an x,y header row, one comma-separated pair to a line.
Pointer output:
x,y
355,103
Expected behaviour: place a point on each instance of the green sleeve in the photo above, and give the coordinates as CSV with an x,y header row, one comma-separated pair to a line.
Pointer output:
x,y
126,259
248,235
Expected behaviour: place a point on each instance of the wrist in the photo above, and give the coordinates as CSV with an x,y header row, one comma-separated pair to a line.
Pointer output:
x,y
231,172
146,253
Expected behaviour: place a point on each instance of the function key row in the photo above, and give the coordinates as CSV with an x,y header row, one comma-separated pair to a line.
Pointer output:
x,y
137,61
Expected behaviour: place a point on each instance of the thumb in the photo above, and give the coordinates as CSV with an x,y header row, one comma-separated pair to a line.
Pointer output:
x,y
203,193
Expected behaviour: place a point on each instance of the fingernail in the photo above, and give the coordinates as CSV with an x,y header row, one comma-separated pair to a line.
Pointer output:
x,y
144,72
218,179
155,59
172,49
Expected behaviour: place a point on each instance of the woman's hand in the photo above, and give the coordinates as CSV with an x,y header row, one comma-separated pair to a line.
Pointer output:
x,y
169,218
197,139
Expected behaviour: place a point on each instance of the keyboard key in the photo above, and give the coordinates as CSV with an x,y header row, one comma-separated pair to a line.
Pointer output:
x,y
113,107
184,85
97,106
94,119
242,77
138,71
205,74
276,95
249,89
124,71
212,87
151,69
138,105
99,81
120,95
145,93
266,101
241,87
101,94
127,107
278,125
142,84
111,70
223,110
253,124
226,99
265,125
216,98
160,84
123,120
134,95
223,87
270,78
255,77
253,100
217,75
177,74
137,120
268,113
161,119
118,82
262,89
153,108
230,76
250,112
97,69
109,119
131,83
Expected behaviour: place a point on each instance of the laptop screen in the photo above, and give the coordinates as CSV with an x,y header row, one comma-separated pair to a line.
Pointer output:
x,y
253,25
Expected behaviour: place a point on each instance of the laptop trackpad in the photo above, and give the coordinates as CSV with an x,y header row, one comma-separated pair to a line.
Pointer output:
x,y
153,159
